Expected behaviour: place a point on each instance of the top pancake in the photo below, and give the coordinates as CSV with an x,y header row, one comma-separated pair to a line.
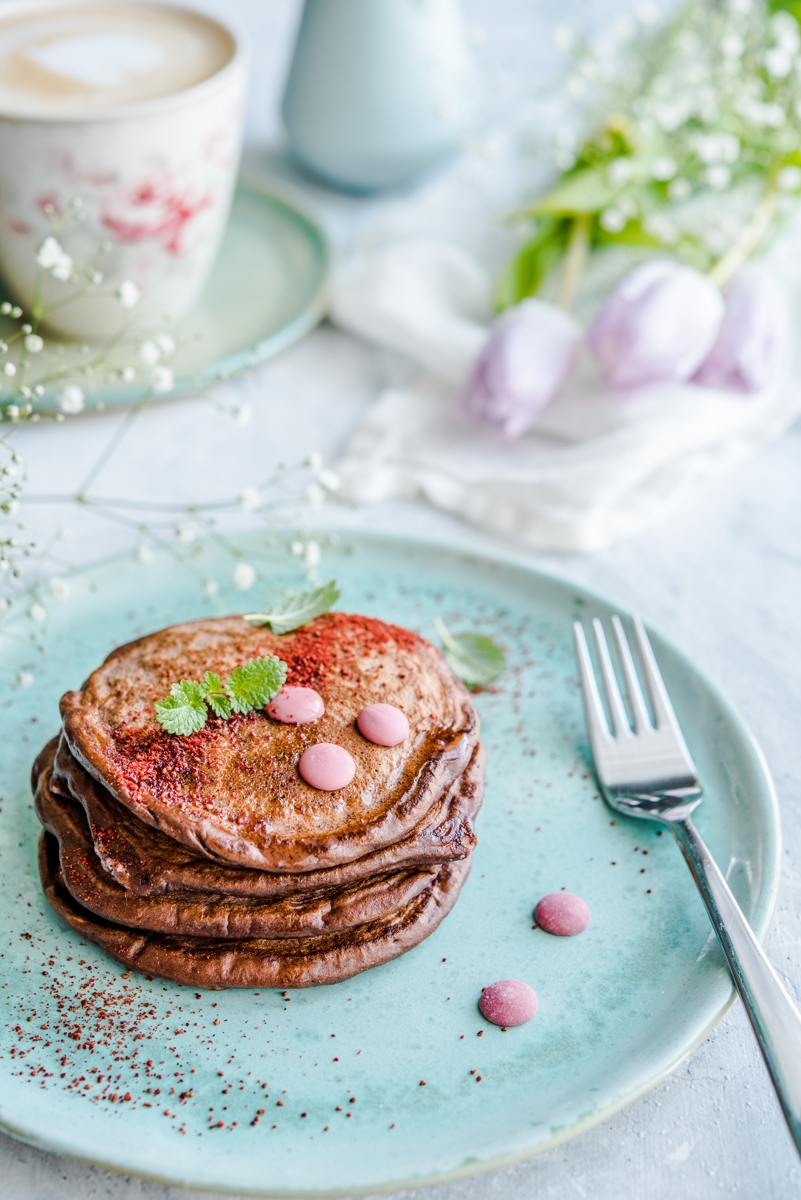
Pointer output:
x,y
233,789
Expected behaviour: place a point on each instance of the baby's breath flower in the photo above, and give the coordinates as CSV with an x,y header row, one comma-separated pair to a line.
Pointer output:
x,y
33,343
613,220
165,343
149,353
315,461
185,535
52,255
313,554
16,311
297,548
664,168
243,413
250,499
128,374
314,495
717,148
244,576
25,679
144,553
59,588
9,369
71,399
789,179
128,294
5,307
37,612
620,171
162,380
718,177
778,63
679,190
330,480
210,589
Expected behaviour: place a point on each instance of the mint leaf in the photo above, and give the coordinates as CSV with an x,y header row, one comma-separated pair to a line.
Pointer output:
x,y
184,711
255,684
472,656
215,695
297,609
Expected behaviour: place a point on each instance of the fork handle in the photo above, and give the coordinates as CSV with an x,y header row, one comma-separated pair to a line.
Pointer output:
x,y
775,1019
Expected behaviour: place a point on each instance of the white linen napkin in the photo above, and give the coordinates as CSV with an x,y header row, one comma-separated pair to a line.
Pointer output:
x,y
593,469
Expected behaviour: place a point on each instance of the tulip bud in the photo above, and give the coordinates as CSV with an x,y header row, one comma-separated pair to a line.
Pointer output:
x,y
659,324
530,352
754,335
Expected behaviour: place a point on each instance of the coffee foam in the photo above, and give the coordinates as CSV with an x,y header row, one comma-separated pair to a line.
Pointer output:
x,y
84,58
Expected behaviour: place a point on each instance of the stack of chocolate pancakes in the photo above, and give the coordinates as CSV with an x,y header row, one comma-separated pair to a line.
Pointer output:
x,y
207,859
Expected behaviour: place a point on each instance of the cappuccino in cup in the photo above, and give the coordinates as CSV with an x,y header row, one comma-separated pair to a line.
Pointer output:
x,y
89,58
134,111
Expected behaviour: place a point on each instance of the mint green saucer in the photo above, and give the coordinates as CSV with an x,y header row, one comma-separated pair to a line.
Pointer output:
x,y
266,290
344,1110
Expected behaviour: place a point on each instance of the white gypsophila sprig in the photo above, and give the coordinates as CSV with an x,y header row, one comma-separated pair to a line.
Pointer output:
x,y
707,105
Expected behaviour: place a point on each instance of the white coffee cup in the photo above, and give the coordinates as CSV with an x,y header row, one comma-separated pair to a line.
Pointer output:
x,y
147,177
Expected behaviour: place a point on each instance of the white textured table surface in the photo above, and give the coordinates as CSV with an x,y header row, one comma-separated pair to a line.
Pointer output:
x,y
721,577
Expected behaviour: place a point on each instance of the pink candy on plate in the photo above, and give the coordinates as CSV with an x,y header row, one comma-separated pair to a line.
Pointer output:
x,y
326,766
383,724
508,1002
296,706
562,913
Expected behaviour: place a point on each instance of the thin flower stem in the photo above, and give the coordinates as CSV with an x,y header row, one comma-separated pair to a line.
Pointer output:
x,y
575,260
748,240
118,436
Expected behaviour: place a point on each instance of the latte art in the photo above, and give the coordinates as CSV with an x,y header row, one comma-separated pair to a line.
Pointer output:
x,y
88,58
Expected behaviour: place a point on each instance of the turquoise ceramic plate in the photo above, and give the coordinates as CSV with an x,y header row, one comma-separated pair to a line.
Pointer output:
x,y
266,290
165,1082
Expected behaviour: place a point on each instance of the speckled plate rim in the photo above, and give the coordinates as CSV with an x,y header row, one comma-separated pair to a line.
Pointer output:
x,y
765,909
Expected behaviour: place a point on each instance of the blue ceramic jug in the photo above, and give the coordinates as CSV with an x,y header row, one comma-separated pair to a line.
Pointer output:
x,y
379,91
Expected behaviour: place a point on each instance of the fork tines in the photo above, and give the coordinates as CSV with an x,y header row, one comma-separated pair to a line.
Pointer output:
x,y
653,752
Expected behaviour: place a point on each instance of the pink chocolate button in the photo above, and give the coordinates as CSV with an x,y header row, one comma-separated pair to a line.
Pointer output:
x,y
383,724
326,767
296,706
562,913
508,1002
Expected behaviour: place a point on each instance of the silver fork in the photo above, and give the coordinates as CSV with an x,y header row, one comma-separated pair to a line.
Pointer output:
x,y
648,772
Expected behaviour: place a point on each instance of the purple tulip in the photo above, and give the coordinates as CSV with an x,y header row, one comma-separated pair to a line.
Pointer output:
x,y
530,352
659,324
754,335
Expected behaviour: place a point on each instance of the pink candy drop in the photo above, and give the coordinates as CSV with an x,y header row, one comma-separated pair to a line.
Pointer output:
x,y
326,767
296,706
562,913
383,724
508,1002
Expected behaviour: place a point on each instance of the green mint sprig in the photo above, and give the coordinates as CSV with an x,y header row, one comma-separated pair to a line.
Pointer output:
x,y
472,656
298,609
247,688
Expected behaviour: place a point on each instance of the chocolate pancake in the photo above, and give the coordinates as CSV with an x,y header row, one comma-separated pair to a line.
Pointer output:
x,y
258,962
210,915
232,790
147,862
